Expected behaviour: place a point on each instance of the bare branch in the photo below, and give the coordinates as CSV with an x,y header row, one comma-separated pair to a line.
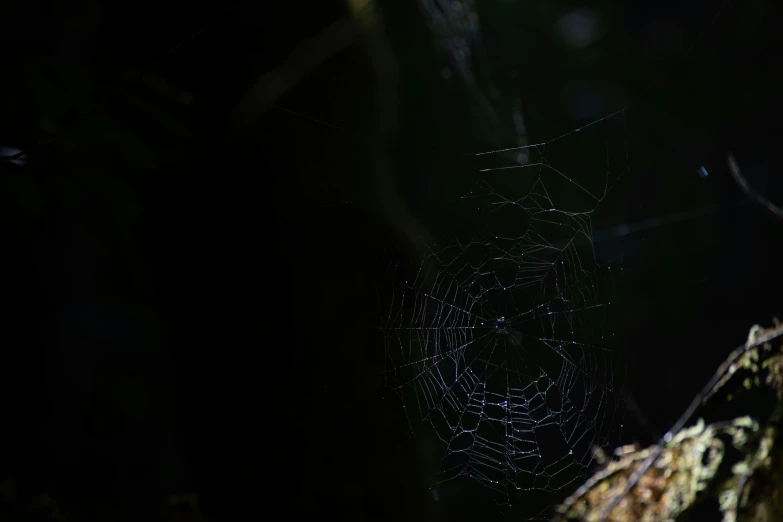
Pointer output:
x,y
747,189
302,61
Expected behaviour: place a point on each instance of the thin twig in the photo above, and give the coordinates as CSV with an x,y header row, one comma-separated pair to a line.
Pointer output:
x,y
302,61
752,194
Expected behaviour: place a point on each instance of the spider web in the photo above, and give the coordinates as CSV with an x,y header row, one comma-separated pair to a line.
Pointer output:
x,y
498,342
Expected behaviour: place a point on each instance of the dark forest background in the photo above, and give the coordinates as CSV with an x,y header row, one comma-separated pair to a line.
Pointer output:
x,y
189,280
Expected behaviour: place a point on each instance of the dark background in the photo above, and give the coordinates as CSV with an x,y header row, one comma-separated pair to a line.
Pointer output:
x,y
191,305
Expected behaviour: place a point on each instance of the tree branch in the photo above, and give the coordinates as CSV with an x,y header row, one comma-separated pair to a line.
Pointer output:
x,y
752,194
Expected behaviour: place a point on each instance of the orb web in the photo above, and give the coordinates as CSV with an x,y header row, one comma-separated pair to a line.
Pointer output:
x,y
499,342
